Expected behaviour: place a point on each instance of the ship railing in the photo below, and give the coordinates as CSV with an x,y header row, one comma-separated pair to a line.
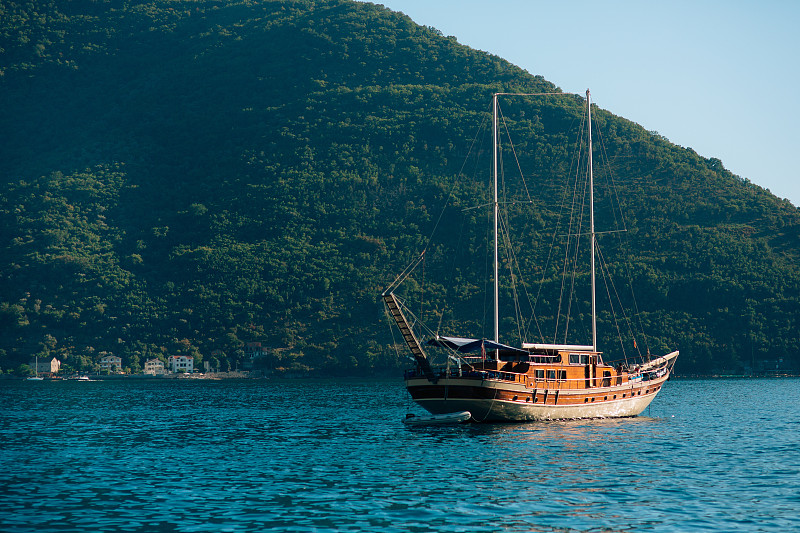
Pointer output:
x,y
539,383
598,382
531,383
461,373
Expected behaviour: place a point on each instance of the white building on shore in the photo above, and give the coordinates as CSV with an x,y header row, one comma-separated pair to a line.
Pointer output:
x,y
180,363
154,367
111,363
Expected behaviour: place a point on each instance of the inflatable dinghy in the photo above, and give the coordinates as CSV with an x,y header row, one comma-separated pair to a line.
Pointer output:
x,y
446,418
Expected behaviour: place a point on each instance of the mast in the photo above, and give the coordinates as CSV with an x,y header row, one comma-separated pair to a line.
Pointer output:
x,y
496,209
591,217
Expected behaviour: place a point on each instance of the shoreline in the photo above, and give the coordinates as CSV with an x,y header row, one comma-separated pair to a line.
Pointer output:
x,y
254,375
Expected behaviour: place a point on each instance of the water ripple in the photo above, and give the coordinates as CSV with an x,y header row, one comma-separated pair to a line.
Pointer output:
x,y
192,456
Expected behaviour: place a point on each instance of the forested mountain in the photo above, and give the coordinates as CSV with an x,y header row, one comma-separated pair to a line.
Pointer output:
x,y
180,177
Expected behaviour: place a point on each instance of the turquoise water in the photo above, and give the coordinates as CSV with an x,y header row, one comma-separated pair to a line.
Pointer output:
x,y
307,456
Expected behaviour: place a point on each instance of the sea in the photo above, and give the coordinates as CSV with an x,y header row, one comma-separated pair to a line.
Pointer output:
x,y
334,455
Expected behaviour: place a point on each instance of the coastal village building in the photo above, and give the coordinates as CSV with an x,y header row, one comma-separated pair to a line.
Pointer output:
x,y
254,350
111,363
154,367
180,363
43,366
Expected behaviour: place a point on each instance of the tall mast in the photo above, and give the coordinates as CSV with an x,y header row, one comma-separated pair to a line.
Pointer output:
x,y
496,209
591,217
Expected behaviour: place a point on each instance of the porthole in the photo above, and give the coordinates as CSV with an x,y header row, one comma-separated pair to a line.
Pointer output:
x,y
585,400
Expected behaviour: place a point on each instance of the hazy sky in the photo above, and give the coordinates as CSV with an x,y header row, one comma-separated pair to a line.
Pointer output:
x,y
719,76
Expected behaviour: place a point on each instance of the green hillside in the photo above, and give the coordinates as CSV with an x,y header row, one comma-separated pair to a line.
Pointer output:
x,y
180,177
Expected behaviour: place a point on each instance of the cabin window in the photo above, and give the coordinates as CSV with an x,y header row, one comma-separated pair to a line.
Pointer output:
x,y
545,359
539,374
562,375
551,375
578,359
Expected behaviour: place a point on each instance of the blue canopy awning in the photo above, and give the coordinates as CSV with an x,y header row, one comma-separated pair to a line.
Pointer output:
x,y
463,345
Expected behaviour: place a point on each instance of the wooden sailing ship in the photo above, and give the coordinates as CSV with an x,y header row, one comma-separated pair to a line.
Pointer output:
x,y
535,381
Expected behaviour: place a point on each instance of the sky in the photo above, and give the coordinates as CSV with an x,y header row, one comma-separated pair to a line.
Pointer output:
x,y
718,76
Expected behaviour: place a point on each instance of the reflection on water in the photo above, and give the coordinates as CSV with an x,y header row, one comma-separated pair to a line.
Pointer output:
x,y
331,455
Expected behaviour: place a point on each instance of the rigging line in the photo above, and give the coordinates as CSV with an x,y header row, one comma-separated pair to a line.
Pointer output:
x,y
575,219
491,203
514,151
606,276
511,259
455,181
478,135
606,279
423,328
625,315
414,319
615,190
487,265
422,289
589,233
636,310
576,165
514,262
581,217
404,274
558,217
551,250
613,184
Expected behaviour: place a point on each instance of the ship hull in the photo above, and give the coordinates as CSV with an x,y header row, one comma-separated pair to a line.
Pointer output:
x,y
498,401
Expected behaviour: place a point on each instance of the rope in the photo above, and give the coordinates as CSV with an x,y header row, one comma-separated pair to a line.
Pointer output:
x,y
404,274
606,280
488,411
614,189
513,151
424,329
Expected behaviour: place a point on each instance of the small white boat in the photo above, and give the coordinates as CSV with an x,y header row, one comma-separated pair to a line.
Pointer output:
x,y
445,418
36,376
